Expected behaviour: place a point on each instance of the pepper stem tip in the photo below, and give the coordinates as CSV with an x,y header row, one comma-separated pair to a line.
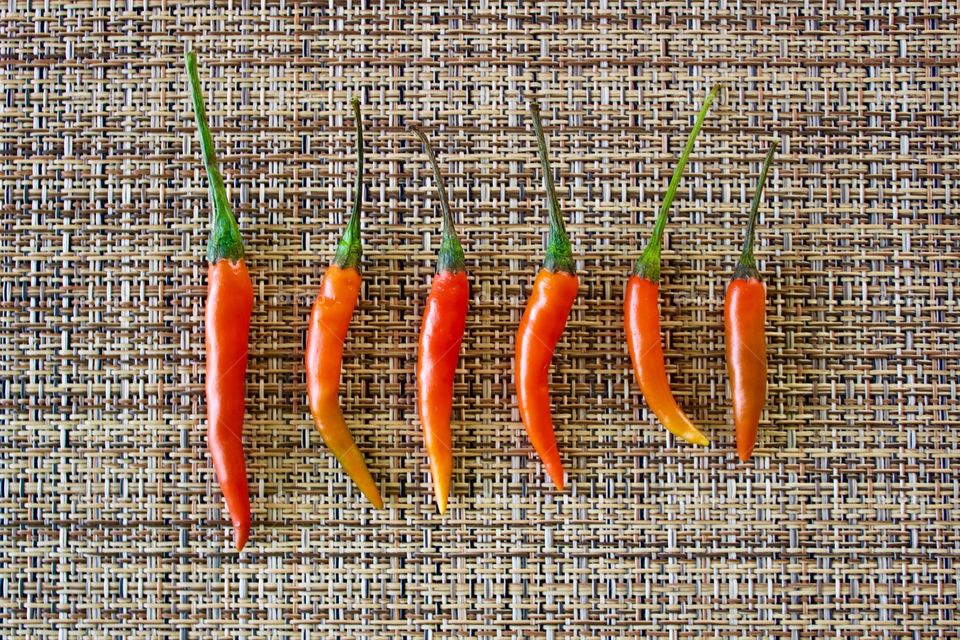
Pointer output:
x,y
648,265
747,264
559,252
451,253
349,250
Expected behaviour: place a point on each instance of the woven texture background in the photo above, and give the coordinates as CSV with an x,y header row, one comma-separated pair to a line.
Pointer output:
x,y
846,523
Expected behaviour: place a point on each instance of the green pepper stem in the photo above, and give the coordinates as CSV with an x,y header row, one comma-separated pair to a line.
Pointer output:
x,y
349,249
451,253
747,265
559,252
225,241
648,265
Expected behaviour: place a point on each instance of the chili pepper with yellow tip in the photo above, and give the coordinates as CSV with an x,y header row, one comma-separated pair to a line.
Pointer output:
x,y
326,333
444,320
641,311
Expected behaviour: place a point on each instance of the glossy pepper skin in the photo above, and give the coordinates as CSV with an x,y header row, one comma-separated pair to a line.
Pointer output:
x,y
444,320
744,314
641,311
542,325
227,327
544,319
326,334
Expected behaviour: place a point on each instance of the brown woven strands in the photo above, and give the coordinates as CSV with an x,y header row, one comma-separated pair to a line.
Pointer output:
x,y
846,522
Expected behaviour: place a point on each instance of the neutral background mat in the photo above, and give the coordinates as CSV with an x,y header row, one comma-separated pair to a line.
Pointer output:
x,y
846,523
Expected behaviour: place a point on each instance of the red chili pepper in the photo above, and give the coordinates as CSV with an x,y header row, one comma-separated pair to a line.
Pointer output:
x,y
443,322
745,318
642,312
227,324
554,291
329,321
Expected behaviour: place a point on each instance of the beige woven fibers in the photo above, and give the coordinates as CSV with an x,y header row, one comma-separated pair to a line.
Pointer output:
x,y
846,524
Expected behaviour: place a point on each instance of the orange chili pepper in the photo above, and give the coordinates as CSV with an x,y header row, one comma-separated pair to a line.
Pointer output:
x,y
329,321
444,320
227,327
643,341
642,313
744,314
548,307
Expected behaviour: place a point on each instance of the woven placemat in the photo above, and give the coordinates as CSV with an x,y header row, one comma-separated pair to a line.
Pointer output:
x,y
846,523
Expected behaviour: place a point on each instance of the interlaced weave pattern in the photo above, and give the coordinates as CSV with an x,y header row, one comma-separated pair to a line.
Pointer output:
x,y
846,523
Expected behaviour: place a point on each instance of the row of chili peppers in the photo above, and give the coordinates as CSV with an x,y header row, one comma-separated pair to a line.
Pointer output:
x,y
230,303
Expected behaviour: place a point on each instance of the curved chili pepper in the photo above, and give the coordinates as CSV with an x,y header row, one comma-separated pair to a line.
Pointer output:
x,y
641,311
227,327
544,319
444,320
329,321
744,316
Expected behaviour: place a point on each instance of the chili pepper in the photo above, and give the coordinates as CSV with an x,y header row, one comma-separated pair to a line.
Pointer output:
x,y
227,327
642,312
544,319
329,321
444,319
744,315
